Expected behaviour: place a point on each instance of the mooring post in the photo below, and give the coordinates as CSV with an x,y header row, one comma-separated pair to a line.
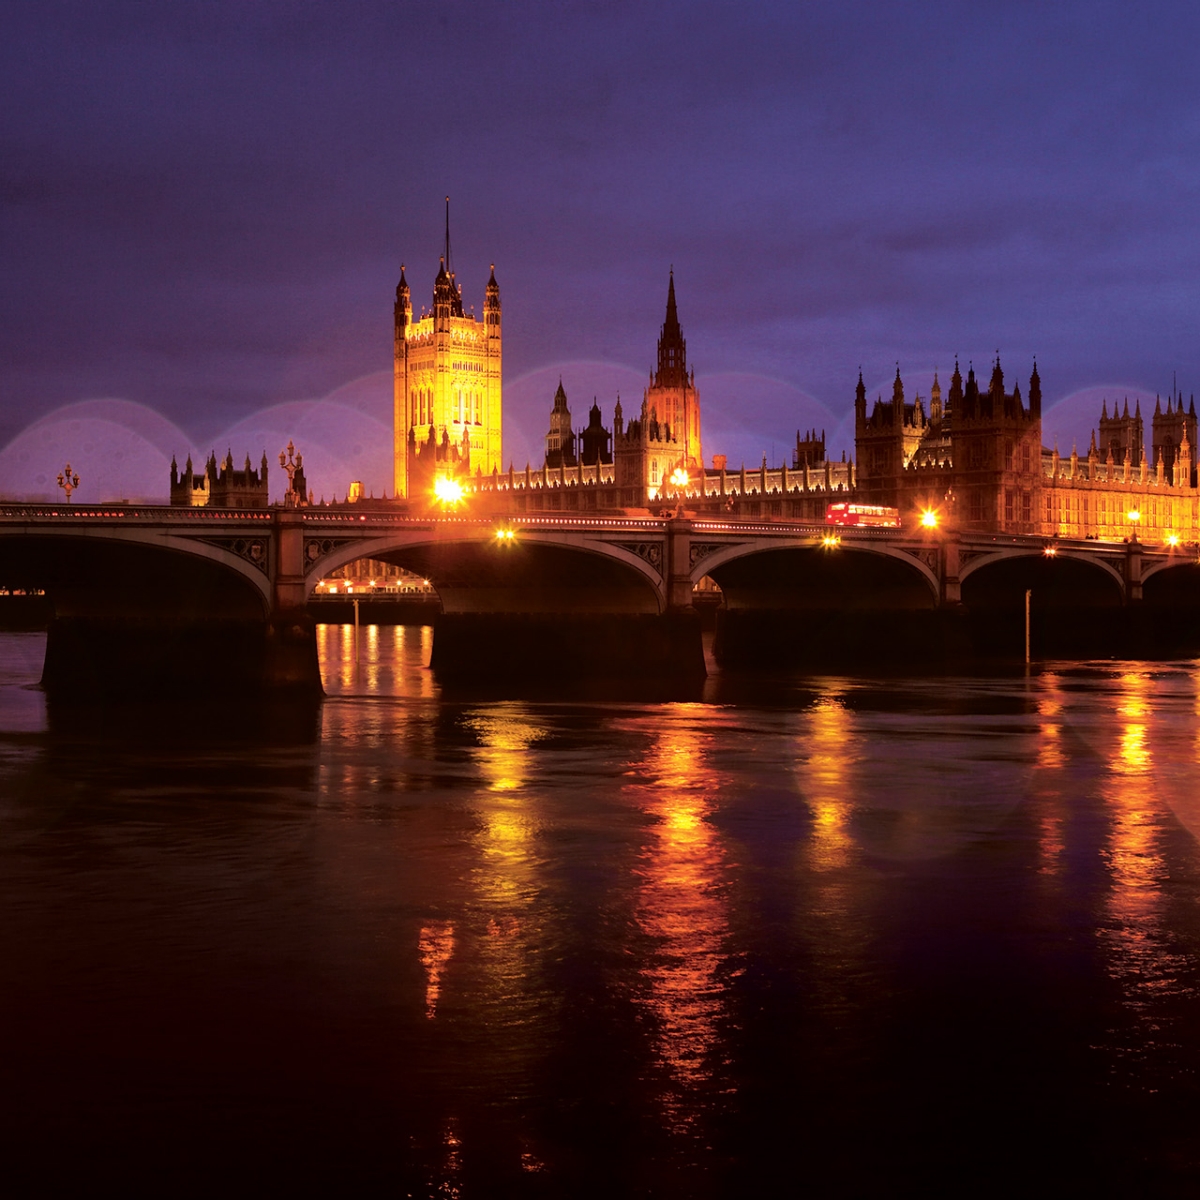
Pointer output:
x,y
1028,593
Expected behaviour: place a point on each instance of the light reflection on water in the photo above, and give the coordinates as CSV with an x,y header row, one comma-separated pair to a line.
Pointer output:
x,y
830,748
1143,955
681,903
603,945
1048,788
389,660
506,879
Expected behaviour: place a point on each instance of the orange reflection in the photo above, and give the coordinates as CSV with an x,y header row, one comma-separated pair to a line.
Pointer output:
x,y
393,660
1049,710
506,734
507,878
448,1185
824,780
1134,932
435,945
1050,758
681,906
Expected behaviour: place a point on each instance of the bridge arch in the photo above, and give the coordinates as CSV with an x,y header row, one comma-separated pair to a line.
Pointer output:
x,y
1174,583
538,570
1034,556
142,614
711,564
1076,604
132,563
1184,567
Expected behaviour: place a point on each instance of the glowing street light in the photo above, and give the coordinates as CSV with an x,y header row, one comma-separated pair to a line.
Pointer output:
x,y
1172,540
448,491
831,541
679,477
505,536
1134,516
929,519
1050,551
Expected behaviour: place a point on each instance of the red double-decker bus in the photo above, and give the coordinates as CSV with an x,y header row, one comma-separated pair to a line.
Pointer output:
x,y
862,514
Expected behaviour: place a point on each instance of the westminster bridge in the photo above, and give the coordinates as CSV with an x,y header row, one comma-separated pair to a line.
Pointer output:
x,y
211,601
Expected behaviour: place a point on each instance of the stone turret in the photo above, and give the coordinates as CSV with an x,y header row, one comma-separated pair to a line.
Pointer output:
x,y
672,392
560,441
1169,430
594,440
448,368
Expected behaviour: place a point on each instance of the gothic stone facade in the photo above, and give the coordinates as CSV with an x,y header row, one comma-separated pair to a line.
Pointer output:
x,y
662,438
979,461
447,395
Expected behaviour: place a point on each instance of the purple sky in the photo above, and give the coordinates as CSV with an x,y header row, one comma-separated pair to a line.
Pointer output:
x,y
205,206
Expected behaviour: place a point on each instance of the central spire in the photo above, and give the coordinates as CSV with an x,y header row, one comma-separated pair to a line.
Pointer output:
x,y
447,300
672,349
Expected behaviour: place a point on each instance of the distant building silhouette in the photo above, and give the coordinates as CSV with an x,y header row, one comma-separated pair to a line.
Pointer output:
x,y
594,440
220,486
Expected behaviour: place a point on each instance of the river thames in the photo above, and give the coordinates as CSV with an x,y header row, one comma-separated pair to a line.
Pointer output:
x,y
826,935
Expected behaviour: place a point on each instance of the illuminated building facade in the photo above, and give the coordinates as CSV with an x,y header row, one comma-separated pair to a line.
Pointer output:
x,y
978,460
663,438
672,398
447,396
982,450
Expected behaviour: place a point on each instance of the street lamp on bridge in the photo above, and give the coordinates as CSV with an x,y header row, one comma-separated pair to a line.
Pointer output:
x,y
1135,517
448,491
68,482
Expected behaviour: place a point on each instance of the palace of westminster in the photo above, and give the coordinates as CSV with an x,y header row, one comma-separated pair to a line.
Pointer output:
x,y
973,454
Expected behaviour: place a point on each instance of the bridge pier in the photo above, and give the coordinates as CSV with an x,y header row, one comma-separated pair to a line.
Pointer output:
x,y
678,567
290,649
949,564
1133,572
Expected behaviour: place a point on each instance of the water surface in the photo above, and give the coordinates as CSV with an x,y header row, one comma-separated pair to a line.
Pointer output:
x,y
806,934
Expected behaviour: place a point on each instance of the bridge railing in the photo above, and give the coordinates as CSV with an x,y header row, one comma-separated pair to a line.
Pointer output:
x,y
159,514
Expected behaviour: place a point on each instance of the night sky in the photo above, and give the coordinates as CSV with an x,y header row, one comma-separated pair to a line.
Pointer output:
x,y
205,207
